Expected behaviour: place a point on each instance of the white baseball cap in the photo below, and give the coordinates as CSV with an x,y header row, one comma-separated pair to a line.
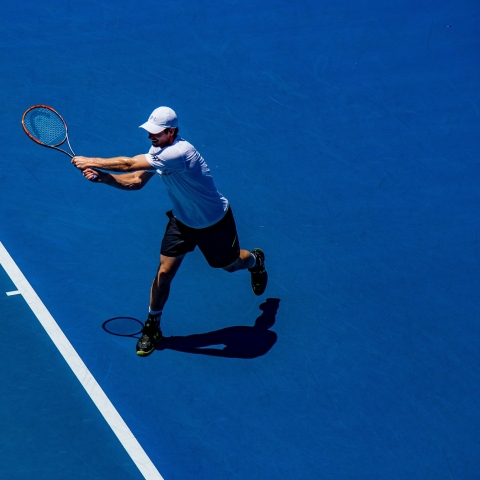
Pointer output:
x,y
160,119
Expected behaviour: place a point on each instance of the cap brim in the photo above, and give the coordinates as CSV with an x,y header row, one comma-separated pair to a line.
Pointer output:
x,y
152,128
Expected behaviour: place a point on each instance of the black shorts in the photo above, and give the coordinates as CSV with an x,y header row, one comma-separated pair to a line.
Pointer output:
x,y
218,243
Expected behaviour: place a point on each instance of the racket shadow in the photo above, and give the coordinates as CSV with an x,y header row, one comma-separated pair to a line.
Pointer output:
x,y
237,342
123,327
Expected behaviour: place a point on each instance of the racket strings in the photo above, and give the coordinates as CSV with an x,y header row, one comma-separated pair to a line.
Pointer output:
x,y
46,126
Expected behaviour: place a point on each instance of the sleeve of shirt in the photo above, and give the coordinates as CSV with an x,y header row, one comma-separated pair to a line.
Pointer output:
x,y
169,158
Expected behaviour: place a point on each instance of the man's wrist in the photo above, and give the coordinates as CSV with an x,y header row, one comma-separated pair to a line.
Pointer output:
x,y
96,163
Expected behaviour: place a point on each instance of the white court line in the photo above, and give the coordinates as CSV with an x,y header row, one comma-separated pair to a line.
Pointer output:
x,y
113,418
16,292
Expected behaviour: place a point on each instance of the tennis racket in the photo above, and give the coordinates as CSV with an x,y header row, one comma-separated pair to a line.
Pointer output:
x,y
46,127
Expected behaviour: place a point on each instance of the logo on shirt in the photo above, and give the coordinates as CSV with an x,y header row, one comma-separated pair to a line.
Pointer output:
x,y
161,172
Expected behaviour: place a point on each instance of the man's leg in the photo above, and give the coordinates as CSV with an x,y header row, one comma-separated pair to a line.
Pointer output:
x,y
158,297
245,260
161,283
255,262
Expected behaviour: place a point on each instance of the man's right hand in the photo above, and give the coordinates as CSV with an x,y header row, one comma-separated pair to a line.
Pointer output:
x,y
81,162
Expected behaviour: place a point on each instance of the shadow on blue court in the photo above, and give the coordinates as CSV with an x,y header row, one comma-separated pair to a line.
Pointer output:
x,y
235,342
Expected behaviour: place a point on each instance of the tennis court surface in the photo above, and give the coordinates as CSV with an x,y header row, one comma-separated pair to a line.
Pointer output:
x,y
345,136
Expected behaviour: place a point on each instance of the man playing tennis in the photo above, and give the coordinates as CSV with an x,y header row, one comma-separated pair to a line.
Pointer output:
x,y
201,216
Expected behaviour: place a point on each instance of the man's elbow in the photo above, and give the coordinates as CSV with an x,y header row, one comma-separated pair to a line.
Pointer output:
x,y
139,181
135,185
128,164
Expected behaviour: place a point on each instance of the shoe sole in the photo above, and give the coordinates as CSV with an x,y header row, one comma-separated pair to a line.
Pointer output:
x,y
260,253
266,281
145,354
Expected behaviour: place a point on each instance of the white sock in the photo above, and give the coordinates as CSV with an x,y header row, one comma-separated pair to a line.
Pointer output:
x,y
254,260
154,312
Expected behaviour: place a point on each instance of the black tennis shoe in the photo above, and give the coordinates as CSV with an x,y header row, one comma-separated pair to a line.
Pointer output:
x,y
151,334
258,272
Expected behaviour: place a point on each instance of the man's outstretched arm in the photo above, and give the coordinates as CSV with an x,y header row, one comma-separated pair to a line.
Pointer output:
x,y
127,181
115,164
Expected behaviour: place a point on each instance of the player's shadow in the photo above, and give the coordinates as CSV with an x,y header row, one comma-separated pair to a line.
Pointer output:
x,y
237,342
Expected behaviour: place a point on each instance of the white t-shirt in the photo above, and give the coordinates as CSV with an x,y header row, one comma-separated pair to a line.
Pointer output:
x,y
196,201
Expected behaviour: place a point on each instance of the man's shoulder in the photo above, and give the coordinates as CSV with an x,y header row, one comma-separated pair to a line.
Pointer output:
x,y
179,150
181,144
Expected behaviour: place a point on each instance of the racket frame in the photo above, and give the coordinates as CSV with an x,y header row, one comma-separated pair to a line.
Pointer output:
x,y
57,145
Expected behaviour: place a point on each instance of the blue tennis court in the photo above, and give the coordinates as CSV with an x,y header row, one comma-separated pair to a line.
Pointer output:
x,y
345,137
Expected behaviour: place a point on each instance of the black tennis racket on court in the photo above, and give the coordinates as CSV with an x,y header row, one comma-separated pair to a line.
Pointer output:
x,y
45,126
